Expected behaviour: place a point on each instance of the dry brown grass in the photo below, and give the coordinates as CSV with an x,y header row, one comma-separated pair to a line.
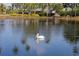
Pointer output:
x,y
64,18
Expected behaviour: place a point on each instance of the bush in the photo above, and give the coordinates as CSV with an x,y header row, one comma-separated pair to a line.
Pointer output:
x,y
34,14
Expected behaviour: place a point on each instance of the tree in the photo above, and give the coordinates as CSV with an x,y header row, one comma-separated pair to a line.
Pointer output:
x,y
2,8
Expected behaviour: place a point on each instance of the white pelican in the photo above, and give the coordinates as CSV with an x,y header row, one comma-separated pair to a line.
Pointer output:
x,y
40,37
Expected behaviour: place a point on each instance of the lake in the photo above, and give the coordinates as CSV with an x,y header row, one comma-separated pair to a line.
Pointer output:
x,y
18,37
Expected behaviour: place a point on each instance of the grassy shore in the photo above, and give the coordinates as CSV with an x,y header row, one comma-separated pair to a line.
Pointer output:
x,y
63,18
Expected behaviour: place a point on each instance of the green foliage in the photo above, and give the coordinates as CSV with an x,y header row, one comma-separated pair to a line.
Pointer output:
x,y
2,8
29,7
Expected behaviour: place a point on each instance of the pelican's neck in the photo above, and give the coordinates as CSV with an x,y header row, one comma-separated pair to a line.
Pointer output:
x,y
37,34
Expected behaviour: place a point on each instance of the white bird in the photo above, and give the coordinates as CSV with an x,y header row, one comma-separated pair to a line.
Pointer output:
x,y
40,37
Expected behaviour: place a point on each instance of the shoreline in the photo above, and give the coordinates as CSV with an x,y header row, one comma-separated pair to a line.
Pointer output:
x,y
63,18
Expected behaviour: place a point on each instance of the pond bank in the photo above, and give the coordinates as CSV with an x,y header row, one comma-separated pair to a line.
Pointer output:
x,y
63,18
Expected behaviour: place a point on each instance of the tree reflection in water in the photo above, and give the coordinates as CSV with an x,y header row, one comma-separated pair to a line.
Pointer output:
x,y
1,26
47,32
1,30
74,41
26,34
75,50
71,33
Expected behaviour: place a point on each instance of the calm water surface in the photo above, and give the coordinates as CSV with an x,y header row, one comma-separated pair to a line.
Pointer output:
x,y
18,37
